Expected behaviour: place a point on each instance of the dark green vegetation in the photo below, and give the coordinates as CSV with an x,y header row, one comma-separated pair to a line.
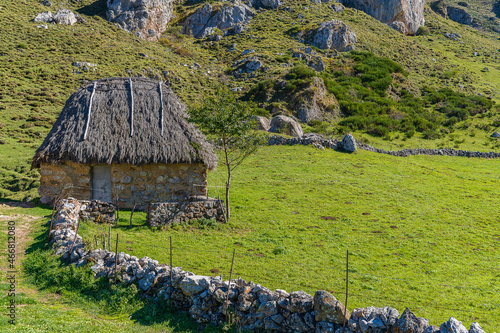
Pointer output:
x,y
422,231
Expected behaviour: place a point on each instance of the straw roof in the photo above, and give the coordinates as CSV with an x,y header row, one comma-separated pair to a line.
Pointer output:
x,y
124,128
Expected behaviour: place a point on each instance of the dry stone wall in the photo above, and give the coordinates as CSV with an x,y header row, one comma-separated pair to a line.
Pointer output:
x,y
166,213
255,306
321,143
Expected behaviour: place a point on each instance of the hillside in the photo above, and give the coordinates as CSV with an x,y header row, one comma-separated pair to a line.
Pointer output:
x,y
39,73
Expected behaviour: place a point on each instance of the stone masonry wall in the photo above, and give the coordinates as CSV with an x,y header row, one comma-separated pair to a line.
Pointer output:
x,y
166,213
97,211
254,306
157,183
130,183
72,178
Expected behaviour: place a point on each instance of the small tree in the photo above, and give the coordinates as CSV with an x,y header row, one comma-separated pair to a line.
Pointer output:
x,y
229,121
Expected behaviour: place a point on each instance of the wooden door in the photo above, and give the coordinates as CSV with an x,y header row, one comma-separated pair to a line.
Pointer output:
x,y
101,183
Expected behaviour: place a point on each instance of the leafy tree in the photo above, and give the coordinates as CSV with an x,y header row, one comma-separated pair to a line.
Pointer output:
x,y
230,122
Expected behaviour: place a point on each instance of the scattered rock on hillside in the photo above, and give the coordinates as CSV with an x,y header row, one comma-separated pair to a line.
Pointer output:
x,y
247,66
65,16
453,326
409,323
336,7
334,35
262,123
85,66
328,308
399,26
495,135
148,19
46,3
286,125
459,15
409,12
476,328
46,17
206,19
311,57
452,36
349,144
268,4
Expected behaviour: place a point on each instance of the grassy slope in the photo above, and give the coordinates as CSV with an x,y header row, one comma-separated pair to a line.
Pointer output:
x,y
422,231
38,76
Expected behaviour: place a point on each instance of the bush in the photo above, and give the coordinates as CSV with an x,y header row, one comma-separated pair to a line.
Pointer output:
x,y
423,31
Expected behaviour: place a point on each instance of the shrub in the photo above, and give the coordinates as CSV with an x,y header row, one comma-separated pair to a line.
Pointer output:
x,y
423,31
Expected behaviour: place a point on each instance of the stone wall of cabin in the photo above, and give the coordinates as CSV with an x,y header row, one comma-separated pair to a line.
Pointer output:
x,y
139,183
72,178
157,183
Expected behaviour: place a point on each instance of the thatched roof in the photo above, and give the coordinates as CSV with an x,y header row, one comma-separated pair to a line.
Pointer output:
x,y
119,131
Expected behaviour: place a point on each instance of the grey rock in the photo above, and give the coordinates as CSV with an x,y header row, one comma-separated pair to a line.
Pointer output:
x,y
349,144
262,123
399,26
268,4
295,322
325,327
476,328
146,282
194,284
409,12
452,36
336,7
495,135
148,19
247,51
328,308
432,329
286,125
300,302
46,3
46,17
267,309
453,326
247,66
409,323
206,19
459,15
334,35
65,16
245,302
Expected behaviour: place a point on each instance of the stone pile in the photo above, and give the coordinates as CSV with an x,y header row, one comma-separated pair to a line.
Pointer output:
x,y
319,142
166,213
97,211
255,306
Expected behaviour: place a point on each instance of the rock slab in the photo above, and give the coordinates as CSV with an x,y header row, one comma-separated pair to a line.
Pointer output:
x,y
148,19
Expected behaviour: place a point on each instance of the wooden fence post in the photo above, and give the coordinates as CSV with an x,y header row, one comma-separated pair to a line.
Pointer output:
x,y
229,287
171,268
116,257
346,288
131,215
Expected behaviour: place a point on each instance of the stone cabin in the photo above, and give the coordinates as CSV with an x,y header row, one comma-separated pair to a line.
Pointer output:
x,y
126,138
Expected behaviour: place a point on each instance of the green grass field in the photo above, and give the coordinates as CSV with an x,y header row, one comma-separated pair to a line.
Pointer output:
x,y
422,231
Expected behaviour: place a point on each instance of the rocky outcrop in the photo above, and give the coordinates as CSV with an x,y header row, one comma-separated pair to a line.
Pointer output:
x,y
334,35
311,58
148,19
409,12
262,123
63,16
268,4
247,66
314,103
286,125
459,15
208,18
439,7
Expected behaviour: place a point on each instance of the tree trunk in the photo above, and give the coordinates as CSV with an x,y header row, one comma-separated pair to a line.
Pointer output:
x,y
228,183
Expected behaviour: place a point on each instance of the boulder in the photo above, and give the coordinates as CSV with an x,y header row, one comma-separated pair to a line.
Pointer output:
x,y
65,16
349,144
399,26
286,125
46,17
206,19
452,326
194,284
495,135
475,328
146,282
328,308
334,35
247,66
409,323
336,7
409,12
314,102
148,19
262,123
268,4
459,15
300,302
432,329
